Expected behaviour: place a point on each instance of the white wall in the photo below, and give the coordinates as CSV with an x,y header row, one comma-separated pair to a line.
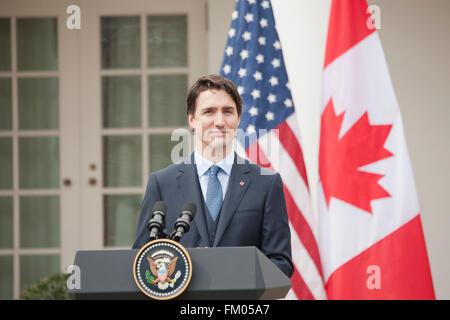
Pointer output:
x,y
414,34
415,41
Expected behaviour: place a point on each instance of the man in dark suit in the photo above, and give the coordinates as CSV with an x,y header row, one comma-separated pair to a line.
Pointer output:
x,y
238,203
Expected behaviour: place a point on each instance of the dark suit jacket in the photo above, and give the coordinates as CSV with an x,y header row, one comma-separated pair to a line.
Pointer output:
x,y
253,213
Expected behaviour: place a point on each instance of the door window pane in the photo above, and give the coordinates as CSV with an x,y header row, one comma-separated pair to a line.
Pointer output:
x,y
122,161
39,222
38,103
6,222
121,46
167,100
6,277
5,102
5,44
121,102
6,164
167,41
121,214
161,146
34,268
37,44
38,162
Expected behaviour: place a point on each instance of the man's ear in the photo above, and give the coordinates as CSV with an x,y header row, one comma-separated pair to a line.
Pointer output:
x,y
191,121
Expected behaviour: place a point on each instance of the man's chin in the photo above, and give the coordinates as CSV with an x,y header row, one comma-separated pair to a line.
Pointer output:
x,y
218,147
215,145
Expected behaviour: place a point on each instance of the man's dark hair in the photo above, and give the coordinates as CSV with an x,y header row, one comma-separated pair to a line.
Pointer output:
x,y
215,82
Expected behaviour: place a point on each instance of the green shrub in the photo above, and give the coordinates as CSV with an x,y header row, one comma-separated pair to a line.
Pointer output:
x,y
53,287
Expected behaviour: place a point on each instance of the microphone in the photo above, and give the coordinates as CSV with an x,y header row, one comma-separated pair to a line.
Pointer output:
x,y
183,223
157,222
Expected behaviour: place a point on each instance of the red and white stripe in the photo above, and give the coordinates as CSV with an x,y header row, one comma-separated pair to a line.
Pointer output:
x,y
280,150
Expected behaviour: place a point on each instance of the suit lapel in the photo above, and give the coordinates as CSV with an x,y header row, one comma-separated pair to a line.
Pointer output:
x,y
239,181
189,185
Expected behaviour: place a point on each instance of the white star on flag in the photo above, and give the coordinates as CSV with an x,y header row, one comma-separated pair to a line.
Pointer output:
x,y
265,4
259,58
250,129
246,36
269,116
288,103
257,75
263,23
248,17
229,51
277,45
242,72
244,54
234,15
271,98
273,81
262,40
253,111
276,63
255,94
226,69
231,33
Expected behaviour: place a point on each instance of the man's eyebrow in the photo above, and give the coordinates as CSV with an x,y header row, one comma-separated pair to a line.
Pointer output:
x,y
215,107
208,108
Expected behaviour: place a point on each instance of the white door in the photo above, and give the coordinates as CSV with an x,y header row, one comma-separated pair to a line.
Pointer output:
x,y
138,58
39,144
85,116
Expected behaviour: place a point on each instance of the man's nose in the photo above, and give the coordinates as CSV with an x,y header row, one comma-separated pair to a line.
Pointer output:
x,y
219,119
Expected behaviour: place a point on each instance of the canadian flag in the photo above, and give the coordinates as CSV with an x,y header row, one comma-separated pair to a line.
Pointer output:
x,y
371,240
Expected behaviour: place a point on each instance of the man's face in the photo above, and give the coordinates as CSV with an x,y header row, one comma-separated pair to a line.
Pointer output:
x,y
215,120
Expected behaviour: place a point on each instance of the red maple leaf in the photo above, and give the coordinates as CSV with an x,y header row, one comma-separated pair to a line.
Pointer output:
x,y
340,159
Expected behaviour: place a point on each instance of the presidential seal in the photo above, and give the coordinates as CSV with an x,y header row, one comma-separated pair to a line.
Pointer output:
x,y
162,269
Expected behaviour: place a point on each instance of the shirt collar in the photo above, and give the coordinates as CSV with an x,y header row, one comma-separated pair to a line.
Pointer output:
x,y
203,164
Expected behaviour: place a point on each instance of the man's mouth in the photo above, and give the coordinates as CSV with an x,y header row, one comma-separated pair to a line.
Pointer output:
x,y
218,132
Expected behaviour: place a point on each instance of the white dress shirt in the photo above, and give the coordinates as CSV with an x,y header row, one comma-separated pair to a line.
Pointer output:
x,y
223,175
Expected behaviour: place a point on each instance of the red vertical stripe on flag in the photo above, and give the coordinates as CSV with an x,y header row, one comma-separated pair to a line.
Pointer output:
x,y
299,286
256,154
347,26
303,230
298,222
290,143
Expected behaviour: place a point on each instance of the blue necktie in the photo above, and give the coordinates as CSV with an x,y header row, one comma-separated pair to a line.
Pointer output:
x,y
214,193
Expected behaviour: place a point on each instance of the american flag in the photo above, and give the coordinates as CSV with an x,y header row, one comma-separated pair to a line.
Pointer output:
x,y
253,60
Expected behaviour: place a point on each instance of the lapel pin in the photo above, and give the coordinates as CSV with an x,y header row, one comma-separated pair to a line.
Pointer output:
x,y
242,183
